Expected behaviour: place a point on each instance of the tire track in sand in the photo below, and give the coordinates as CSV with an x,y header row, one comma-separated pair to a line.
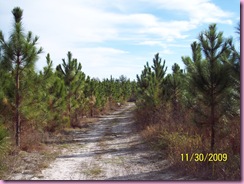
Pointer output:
x,y
110,150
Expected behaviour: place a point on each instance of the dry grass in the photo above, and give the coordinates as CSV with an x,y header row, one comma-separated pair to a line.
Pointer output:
x,y
30,139
176,137
31,162
94,171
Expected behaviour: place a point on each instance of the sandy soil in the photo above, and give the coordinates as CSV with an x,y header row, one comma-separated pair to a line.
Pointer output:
x,y
110,150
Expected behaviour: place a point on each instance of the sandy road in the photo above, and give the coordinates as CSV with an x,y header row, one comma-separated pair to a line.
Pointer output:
x,y
110,150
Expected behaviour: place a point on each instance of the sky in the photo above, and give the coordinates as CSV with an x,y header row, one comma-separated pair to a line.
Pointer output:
x,y
118,37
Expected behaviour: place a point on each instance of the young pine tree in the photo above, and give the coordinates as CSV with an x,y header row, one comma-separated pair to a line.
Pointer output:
x,y
51,95
174,89
19,54
74,79
151,82
209,77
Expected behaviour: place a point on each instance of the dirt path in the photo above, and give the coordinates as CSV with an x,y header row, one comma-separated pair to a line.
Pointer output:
x,y
110,150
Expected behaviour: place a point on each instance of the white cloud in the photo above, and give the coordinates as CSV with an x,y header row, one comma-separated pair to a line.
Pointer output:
x,y
151,43
199,11
95,21
90,21
99,56
104,61
84,27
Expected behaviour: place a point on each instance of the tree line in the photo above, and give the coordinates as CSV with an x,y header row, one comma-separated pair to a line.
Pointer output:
x,y
53,98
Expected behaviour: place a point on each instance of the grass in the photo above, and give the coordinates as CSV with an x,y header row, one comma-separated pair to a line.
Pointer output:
x,y
4,149
23,161
94,171
176,140
173,137
114,160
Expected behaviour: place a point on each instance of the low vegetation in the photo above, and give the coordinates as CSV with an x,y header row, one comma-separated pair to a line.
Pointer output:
x,y
93,172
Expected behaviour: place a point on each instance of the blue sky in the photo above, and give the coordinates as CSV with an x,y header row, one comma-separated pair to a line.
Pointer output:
x,y
115,37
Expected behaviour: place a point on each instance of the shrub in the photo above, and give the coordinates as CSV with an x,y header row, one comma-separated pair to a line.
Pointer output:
x,y
4,148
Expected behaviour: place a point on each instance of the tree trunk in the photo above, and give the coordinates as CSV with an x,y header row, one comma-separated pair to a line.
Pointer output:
x,y
18,125
69,109
212,128
212,118
69,104
175,106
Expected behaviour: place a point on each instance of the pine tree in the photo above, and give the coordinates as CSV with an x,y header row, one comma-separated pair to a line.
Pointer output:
x,y
74,79
126,88
19,54
174,88
51,98
90,89
151,91
209,77
151,83
236,66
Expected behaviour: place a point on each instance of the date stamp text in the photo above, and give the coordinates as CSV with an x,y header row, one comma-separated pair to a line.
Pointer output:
x,y
207,157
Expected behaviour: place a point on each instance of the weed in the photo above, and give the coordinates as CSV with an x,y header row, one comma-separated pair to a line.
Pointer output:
x,y
94,171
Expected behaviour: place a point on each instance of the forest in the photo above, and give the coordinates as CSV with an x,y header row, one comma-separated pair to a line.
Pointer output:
x,y
195,109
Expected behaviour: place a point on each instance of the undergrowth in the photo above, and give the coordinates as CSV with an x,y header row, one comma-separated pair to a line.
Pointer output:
x,y
176,139
4,148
